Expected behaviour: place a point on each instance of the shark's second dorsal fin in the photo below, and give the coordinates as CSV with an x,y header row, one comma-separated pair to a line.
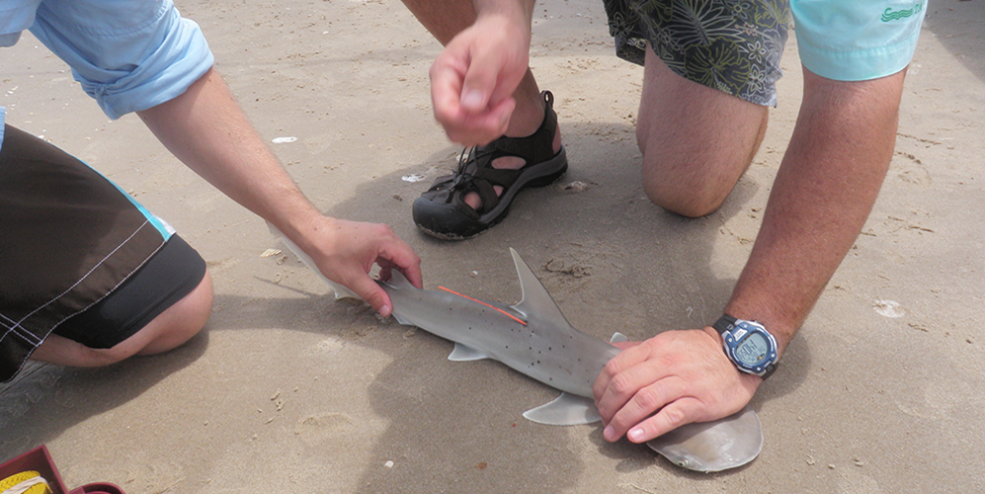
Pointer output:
x,y
535,299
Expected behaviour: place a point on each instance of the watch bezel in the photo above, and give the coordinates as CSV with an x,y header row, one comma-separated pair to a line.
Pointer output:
x,y
736,331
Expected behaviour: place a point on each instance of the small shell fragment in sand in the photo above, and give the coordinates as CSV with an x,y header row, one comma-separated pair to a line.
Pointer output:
x,y
270,252
282,140
577,186
388,464
888,308
417,177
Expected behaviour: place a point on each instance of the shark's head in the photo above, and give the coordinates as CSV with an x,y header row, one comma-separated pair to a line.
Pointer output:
x,y
713,446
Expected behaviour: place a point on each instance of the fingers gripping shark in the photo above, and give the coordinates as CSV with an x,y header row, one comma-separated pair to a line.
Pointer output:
x,y
533,338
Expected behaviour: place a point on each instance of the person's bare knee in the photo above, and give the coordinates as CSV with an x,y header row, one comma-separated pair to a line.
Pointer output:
x,y
170,329
692,198
180,322
696,141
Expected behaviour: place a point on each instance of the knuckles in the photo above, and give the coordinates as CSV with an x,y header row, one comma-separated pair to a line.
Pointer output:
x,y
648,399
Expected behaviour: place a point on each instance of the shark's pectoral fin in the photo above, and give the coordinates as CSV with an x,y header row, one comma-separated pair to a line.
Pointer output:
x,y
463,353
567,409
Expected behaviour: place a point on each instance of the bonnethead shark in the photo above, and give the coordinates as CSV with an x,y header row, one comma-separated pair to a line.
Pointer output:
x,y
534,338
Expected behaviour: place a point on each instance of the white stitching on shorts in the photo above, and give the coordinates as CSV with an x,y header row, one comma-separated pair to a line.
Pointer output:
x,y
28,336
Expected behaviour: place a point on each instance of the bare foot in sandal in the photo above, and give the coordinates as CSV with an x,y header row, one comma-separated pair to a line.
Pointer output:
x,y
478,195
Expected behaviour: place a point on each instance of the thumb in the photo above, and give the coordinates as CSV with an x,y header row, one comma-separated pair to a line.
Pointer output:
x,y
478,86
623,345
368,290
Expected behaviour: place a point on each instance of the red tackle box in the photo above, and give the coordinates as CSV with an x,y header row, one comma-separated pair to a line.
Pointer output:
x,y
39,460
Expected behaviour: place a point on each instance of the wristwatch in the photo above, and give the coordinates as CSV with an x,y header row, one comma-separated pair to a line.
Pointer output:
x,y
748,345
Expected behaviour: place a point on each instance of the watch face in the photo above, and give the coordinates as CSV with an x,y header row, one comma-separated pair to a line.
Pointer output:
x,y
752,350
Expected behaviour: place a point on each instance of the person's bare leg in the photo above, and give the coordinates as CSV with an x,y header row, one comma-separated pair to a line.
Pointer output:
x,y
444,20
171,328
696,141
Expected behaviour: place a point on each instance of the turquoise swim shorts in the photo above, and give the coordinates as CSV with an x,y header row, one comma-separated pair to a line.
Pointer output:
x,y
735,45
852,40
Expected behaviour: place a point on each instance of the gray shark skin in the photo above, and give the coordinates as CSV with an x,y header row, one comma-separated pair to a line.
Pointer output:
x,y
548,349
534,339
537,341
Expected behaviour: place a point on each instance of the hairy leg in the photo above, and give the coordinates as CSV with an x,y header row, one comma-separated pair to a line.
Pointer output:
x,y
696,141
168,330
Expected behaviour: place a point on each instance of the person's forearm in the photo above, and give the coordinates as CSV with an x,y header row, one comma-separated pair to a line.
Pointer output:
x,y
514,16
524,8
205,128
823,193
446,18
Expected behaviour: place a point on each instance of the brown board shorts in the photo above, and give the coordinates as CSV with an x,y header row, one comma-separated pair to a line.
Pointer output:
x,y
78,256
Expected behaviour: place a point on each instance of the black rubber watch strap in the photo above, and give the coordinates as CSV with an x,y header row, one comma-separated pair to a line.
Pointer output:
x,y
724,324
770,369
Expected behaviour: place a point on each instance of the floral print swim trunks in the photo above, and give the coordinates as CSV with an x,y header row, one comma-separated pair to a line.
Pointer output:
x,y
730,45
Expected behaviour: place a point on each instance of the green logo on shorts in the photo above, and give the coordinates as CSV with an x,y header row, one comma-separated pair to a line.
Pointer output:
x,y
889,15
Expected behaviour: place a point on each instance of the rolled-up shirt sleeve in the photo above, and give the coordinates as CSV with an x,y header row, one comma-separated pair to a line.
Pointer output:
x,y
15,16
128,55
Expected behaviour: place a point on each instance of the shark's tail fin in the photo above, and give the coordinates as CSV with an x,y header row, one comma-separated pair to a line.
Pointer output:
x,y
340,291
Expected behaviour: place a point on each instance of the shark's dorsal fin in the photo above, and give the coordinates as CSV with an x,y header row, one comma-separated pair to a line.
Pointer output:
x,y
535,299
618,337
567,409
463,353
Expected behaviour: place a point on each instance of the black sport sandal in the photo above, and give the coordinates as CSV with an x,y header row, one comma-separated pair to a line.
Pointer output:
x,y
442,211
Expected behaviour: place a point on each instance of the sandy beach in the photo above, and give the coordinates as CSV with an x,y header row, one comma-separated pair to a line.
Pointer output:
x,y
288,390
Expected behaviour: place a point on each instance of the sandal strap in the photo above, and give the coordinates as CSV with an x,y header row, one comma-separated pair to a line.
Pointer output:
x,y
535,148
475,172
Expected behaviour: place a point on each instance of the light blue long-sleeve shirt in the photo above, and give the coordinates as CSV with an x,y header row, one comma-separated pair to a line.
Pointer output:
x,y
128,55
